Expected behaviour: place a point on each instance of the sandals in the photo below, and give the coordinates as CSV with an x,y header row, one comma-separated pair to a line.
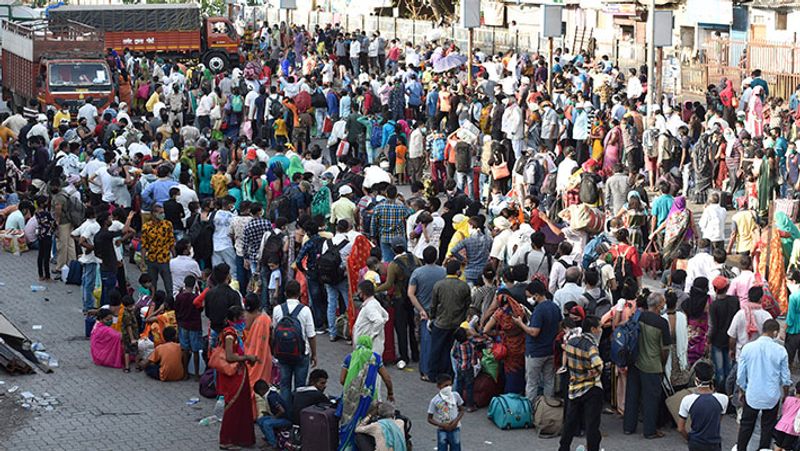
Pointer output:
x,y
657,435
126,370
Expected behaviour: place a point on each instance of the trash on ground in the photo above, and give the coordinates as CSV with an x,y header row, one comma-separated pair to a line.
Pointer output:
x,y
38,288
209,420
17,349
29,401
192,401
37,327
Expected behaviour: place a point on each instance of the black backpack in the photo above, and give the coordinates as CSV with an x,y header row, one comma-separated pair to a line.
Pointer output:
x,y
623,270
329,264
318,99
589,191
283,205
200,228
275,108
272,246
407,267
594,304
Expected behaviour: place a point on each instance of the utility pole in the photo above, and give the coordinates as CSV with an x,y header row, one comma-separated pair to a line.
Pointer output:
x,y
470,36
550,72
651,56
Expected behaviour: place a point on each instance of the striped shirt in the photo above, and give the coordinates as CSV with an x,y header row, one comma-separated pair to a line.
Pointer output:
x,y
253,233
584,363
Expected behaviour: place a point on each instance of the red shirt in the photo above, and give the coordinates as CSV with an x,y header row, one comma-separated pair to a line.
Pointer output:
x,y
631,254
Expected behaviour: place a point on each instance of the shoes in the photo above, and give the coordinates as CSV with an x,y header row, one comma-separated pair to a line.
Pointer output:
x,y
333,338
401,364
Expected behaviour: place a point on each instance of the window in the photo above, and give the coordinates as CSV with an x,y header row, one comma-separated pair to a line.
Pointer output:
x,y
780,20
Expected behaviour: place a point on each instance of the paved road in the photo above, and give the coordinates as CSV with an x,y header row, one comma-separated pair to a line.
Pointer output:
x,y
105,409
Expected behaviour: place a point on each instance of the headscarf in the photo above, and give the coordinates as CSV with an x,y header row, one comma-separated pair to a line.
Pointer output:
x,y
726,95
788,233
678,206
295,166
695,305
358,358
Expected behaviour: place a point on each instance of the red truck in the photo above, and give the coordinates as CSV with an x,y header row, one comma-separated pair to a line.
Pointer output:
x,y
56,65
175,30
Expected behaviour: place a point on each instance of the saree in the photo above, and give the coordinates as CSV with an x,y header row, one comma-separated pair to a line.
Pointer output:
x,y
611,152
696,310
765,186
676,229
360,390
106,346
256,342
237,422
355,261
295,166
774,256
514,340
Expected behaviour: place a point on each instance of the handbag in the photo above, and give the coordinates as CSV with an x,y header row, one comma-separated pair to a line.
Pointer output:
x,y
651,259
220,363
500,170
499,351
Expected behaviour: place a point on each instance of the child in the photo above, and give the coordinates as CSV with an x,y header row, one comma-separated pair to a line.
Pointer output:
x,y
570,329
272,412
190,334
463,353
785,435
144,296
281,131
162,317
46,227
275,281
219,183
166,362
400,163
445,412
706,407
129,336
372,271
173,212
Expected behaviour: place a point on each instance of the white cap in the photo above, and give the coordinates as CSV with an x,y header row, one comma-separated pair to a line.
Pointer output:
x,y
41,118
345,190
174,154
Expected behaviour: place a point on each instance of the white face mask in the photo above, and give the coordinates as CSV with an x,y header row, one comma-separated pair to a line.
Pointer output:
x,y
446,393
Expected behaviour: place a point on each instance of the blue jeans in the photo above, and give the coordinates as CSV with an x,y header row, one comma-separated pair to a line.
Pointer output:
x,y
722,365
269,424
87,285
297,372
424,349
317,299
464,182
464,386
387,252
242,275
333,302
448,440
108,279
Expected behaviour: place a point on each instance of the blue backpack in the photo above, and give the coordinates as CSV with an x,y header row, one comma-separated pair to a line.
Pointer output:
x,y
511,411
590,254
290,344
437,148
625,342
376,135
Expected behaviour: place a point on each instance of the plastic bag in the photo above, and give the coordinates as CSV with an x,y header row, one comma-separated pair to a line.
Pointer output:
x,y
489,364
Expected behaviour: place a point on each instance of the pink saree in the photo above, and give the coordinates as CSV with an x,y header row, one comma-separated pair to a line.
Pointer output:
x,y
106,346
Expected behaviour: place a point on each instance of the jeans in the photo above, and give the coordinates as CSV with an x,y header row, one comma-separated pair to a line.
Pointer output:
x,y
448,440
268,425
441,343
792,345
540,376
387,252
424,349
722,364
464,384
242,275
333,302
160,269
463,180
645,388
227,255
87,285
297,372
769,417
317,300
404,327
109,282
589,408
355,65
43,256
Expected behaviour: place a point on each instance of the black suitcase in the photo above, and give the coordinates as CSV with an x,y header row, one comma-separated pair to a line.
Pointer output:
x,y
319,429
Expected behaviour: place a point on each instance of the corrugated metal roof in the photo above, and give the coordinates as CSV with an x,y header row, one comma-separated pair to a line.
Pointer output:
x,y
775,4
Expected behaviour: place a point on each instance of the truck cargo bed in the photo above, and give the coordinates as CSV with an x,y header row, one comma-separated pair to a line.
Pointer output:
x,y
127,18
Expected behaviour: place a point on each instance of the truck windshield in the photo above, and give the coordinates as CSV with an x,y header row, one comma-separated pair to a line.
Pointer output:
x,y
78,75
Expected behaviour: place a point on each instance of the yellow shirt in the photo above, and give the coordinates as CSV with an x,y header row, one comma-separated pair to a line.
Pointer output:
x,y
343,208
151,102
59,116
745,227
219,183
280,128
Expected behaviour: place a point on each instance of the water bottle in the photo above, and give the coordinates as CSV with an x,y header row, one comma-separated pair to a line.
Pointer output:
x,y
38,288
208,420
219,407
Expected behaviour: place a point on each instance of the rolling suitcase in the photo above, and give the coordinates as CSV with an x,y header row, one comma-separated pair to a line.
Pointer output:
x,y
320,429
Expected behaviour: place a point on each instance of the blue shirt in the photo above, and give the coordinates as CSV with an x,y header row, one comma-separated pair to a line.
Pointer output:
x,y
157,192
431,102
661,206
546,317
333,103
765,363
414,91
424,278
478,247
344,107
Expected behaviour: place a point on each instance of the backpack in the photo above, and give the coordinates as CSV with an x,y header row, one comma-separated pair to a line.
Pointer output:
x,y
318,99
282,206
376,135
366,217
198,227
589,191
590,254
329,264
271,245
548,416
625,342
75,273
407,266
592,304
437,148
275,109
75,210
237,104
623,270
290,345
208,388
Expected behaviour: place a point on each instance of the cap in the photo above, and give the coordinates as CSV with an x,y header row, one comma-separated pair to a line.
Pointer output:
x,y
345,190
720,283
41,118
174,154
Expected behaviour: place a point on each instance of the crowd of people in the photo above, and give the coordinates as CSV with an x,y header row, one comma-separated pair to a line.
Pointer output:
x,y
261,206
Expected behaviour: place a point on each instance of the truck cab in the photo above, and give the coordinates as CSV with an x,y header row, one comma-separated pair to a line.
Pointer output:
x,y
221,44
67,83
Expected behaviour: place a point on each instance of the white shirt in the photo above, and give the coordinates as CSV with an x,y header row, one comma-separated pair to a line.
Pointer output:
x,y
558,273
104,178
416,144
180,267
565,170
205,105
186,196
355,48
87,230
305,318
434,230
698,266
89,112
712,223
370,321
222,226
738,327
499,245
570,292
90,170
250,100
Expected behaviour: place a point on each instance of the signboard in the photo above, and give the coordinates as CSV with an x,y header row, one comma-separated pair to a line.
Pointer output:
x,y
470,13
551,21
662,22
288,4
493,13
620,9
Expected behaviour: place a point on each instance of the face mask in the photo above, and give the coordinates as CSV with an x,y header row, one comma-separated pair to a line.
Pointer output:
x,y
159,216
531,300
446,393
597,336
108,322
663,310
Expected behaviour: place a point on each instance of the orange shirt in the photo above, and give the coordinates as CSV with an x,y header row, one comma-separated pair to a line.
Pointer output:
x,y
170,357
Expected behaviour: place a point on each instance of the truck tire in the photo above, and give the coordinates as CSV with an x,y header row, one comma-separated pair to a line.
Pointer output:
x,y
216,61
